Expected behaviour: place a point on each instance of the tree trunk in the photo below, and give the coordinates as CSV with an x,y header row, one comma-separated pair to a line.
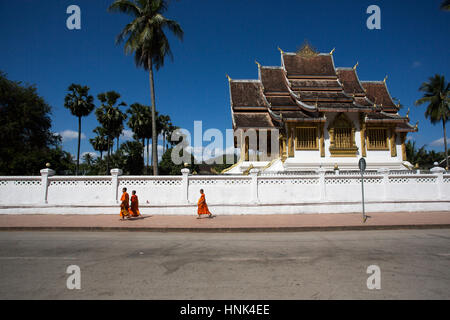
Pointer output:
x,y
117,148
143,155
445,144
148,157
101,153
107,155
164,142
154,136
78,151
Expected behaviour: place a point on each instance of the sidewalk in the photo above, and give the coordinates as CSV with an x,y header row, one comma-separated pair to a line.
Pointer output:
x,y
230,223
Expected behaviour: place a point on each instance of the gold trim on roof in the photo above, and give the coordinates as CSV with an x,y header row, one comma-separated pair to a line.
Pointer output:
x,y
307,51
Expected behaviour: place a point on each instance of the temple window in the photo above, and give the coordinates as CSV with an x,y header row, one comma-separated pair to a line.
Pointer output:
x,y
377,139
306,138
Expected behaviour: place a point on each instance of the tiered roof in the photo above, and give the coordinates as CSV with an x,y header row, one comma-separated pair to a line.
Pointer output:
x,y
306,85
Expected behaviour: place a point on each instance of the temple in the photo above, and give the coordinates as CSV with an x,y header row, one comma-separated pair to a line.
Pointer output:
x,y
323,117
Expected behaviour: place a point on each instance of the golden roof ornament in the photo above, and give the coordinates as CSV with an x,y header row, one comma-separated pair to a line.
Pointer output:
x,y
331,52
228,77
281,51
356,65
258,64
417,125
307,51
385,78
407,114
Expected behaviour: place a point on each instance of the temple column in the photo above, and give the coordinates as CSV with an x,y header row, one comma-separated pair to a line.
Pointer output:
x,y
322,140
402,139
363,135
393,137
291,152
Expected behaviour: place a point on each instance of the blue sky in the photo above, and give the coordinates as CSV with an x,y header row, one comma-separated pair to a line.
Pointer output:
x,y
221,37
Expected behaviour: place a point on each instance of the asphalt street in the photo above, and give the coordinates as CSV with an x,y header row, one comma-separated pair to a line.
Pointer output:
x,y
414,264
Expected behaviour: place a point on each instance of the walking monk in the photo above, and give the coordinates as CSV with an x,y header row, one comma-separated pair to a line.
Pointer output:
x,y
124,205
202,206
134,210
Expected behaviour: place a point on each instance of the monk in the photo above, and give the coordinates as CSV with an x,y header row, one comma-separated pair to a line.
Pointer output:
x,y
134,210
124,205
202,206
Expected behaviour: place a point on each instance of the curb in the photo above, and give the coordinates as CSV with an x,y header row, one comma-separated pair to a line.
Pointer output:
x,y
231,230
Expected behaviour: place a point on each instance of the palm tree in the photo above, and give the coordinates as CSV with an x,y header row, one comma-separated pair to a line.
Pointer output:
x,y
139,122
100,142
165,127
445,5
111,118
80,104
437,95
144,36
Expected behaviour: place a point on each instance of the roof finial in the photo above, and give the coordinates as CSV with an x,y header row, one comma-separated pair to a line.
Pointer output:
x,y
385,78
228,77
417,125
280,50
259,66
407,114
331,52
354,67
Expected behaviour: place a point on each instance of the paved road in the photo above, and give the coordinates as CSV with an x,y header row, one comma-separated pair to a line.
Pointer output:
x,y
414,264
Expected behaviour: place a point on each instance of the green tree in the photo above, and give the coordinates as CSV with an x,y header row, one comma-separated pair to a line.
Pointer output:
x,y
134,161
145,37
166,125
139,122
110,118
436,95
167,167
80,104
445,5
26,139
100,142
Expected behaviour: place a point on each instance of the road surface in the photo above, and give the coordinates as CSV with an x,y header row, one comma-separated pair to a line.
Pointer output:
x,y
414,264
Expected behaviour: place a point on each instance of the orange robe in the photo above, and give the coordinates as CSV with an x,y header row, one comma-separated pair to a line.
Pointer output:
x,y
124,205
134,210
202,206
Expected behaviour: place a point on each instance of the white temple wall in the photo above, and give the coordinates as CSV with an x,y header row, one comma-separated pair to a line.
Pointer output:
x,y
321,192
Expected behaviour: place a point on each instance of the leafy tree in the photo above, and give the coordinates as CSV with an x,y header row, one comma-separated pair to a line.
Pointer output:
x,y
27,143
133,159
80,104
445,5
110,118
166,125
100,142
437,96
145,37
140,122
167,167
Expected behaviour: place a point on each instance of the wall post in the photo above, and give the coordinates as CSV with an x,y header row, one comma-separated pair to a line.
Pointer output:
x,y
185,184
254,185
385,173
45,173
440,180
115,173
321,173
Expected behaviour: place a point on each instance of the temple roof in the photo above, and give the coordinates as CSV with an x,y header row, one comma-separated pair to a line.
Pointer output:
x,y
350,81
377,92
306,85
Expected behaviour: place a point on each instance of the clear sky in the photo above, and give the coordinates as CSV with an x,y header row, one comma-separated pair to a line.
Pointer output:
x,y
221,37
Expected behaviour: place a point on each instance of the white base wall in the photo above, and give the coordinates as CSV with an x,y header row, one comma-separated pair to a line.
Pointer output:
x,y
239,209
320,192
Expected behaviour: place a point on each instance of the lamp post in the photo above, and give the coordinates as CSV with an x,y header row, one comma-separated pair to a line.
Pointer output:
x,y
362,168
